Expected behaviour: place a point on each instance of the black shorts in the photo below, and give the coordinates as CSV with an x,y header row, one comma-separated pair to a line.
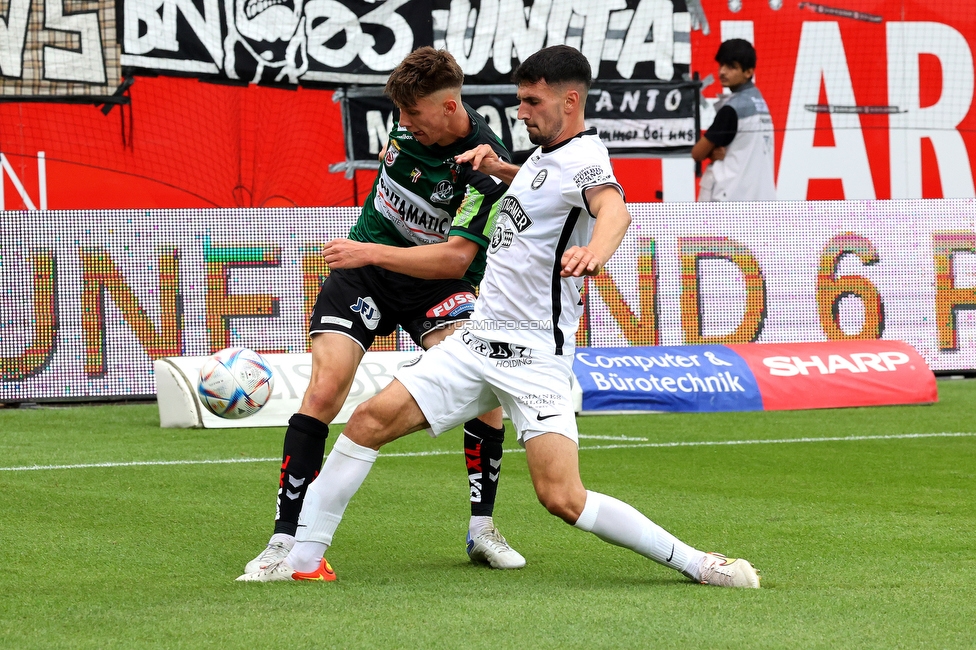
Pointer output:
x,y
370,301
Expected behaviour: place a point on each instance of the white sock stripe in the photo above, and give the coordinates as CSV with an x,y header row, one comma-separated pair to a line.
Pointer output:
x,y
344,445
415,454
591,509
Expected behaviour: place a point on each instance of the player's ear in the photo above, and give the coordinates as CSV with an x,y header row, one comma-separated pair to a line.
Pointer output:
x,y
450,105
571,99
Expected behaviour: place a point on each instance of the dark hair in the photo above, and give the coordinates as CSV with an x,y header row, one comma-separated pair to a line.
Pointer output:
x,y
423,72
555,64
737,50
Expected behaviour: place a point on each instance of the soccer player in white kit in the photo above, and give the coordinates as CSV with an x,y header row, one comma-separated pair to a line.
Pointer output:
x,y
562,218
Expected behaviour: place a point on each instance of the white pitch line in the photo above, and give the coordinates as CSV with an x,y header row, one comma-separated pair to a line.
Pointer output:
x,y
415,454
621,438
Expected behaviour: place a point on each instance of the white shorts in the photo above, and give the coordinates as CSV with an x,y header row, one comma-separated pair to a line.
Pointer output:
x,y
465,376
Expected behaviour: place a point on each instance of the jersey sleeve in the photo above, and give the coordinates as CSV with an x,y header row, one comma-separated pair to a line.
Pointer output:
x,y
723,129
591,168
475,217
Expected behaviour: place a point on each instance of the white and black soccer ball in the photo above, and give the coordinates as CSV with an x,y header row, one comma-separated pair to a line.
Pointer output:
x,y
235,383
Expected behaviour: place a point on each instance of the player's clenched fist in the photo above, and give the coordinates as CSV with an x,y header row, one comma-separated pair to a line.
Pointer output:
x,y
346,254
484,159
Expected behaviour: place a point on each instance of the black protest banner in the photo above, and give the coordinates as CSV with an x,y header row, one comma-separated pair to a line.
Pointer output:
x,y
632,119
644,118
344,42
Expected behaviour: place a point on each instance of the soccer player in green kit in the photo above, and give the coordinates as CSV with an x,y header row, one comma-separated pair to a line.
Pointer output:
x,y
412,259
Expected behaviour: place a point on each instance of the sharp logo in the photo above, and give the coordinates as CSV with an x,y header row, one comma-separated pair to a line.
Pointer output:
x,y
367,309
854,363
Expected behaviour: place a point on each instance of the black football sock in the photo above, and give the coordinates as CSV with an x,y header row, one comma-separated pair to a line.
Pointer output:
x,y
483,455
302,456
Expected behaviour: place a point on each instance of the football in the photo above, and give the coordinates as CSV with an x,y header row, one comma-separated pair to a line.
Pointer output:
x,y
235,383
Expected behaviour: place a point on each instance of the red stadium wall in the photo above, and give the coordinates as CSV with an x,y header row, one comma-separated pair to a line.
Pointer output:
x,y
183,143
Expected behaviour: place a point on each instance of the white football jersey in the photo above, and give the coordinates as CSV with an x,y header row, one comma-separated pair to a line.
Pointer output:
x,y
523,299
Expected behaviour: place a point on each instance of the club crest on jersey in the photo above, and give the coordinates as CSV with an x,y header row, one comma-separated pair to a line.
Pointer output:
x,y
539,179
367,309
501,238
391,154
415,175
457,304
443,192
511,208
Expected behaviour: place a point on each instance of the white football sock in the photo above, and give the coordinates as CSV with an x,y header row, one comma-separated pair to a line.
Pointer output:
x,y
284,539
306,556
344,471
616,522
479,524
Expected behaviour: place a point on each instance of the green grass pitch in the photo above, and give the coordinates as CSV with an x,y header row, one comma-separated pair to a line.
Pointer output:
x,y
862,543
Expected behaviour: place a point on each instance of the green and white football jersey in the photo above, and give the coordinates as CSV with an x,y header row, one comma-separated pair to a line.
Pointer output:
x,y
421,196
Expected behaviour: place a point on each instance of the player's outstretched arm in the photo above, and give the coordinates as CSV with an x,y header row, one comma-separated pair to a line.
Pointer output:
x,y
484,159
612,221
447,260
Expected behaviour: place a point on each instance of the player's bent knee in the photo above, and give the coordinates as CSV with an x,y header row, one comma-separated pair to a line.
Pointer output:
x,y
322,398
369,426
562,505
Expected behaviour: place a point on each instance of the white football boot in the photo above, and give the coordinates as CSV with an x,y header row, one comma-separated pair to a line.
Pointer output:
x,y
719,571
281,570
489,546
276,550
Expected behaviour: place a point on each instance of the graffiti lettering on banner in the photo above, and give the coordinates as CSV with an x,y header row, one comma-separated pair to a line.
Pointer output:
x,y
361,41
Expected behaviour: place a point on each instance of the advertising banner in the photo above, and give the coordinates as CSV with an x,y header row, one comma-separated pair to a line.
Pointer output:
x,y
838,374
180,406
753,377
89,299
698,378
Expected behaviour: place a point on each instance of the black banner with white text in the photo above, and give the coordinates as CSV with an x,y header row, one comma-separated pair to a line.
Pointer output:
x,y
340,42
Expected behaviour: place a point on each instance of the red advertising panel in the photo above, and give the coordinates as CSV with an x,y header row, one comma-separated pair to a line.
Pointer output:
x,y
838,374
